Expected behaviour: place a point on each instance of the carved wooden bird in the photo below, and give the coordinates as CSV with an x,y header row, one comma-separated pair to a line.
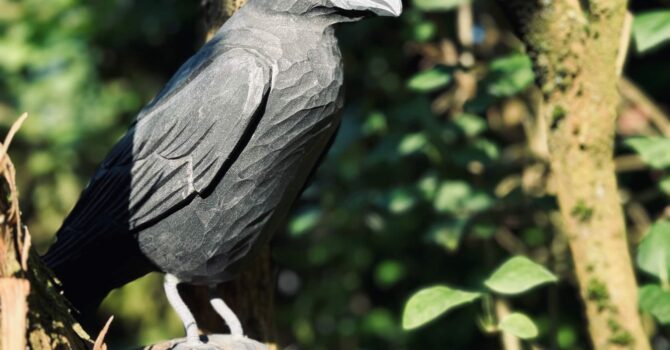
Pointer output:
x,y
210,168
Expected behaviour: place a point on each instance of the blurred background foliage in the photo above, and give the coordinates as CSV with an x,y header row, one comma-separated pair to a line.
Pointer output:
x,y
438,175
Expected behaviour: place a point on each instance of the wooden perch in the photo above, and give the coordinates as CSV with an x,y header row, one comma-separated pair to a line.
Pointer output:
x,y
211,342
33,313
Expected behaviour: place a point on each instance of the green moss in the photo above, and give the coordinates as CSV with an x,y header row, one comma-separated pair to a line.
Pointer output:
x,y
557,114
613,325
582,212
596,291
619,335
621,338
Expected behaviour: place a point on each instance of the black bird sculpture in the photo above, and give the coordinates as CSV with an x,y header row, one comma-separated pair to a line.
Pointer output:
x,y
211,167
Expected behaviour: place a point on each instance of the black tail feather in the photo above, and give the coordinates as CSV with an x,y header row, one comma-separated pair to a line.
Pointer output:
x,y
88,271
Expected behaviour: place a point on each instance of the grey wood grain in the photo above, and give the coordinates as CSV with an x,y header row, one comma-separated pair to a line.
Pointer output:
x,y
210,342
211,167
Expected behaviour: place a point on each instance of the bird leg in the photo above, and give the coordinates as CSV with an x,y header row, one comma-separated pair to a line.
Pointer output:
x,y
170,284
226,313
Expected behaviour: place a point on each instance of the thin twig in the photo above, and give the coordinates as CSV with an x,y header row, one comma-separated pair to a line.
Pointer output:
x,y
628,163
509,342
10,136
100,340
624,44
8,171
635,95
25,248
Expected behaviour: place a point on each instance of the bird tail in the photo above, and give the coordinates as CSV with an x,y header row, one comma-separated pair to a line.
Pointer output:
x,y
89,270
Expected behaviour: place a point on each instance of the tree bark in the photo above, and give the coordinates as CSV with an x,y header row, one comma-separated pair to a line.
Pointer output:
x,y
33,313
217,12
251,294
574,45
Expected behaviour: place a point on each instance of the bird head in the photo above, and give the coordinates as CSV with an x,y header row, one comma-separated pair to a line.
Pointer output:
x,y
346,8
390,8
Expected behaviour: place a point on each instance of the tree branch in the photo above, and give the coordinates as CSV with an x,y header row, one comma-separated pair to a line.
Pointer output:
x,y
574,54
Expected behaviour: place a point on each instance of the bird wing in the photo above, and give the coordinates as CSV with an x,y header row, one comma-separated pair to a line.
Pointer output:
x,y
179,145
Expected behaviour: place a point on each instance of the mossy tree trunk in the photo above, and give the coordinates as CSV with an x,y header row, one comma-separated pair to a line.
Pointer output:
x,y
574,45
251,294
33,314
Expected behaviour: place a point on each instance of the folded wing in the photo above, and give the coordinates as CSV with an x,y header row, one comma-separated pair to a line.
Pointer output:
x,y
177,149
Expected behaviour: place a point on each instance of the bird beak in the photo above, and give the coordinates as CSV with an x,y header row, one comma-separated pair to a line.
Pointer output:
x,y
391,8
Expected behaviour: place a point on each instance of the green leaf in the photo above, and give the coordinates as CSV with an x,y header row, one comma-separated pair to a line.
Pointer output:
x,y
424,31
656,301
375,123
389,272
510,75
304,222
470,125
519,325
665,185
427,186
429,303
651,29
448,234
653,253
412,143
430,80
401,200
438,5
518,275
457,197
654,151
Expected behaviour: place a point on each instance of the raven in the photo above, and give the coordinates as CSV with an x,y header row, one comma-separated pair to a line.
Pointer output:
x,y
210,168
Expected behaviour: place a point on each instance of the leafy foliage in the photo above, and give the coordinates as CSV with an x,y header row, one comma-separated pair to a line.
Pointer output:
x,y
429,303
519,325
656,300
510,75
430,80
654,251
438,5
654,151
518,275
650,29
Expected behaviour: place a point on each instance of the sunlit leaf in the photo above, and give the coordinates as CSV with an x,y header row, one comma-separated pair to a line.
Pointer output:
x,y
665,185
430,80
438,5
517,275
427,304
448,234
412,143
519,325
470,125
653,253
427,186
304,222
656,301
650,29
459,197
510,75
654,151
401,200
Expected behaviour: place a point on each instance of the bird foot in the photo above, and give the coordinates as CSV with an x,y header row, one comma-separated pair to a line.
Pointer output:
x,y
218,342
194,346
